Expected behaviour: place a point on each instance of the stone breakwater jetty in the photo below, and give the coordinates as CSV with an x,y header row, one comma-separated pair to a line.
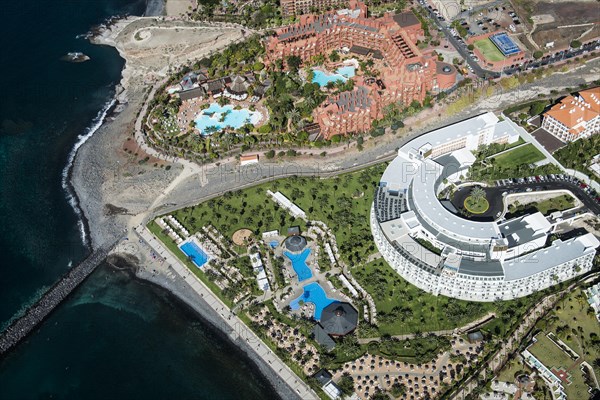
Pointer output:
x,y
24,325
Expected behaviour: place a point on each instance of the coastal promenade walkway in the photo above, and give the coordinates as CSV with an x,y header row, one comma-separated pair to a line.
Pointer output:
x,y
236,326
24,325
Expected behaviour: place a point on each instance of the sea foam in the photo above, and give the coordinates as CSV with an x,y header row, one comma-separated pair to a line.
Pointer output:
x,y
66,184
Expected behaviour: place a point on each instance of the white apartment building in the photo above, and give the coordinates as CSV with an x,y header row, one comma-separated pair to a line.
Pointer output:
x,y
478,261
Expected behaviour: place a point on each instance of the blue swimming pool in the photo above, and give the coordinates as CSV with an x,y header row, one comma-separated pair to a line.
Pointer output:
x,y
217,117
313,293
191,249
273,244
342,74
299,264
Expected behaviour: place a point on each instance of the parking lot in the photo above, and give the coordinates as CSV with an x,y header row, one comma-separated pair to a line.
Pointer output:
x,y
583,192
491,20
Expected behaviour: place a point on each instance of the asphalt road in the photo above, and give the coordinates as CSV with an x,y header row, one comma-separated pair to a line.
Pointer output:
x,y
589,201
462,49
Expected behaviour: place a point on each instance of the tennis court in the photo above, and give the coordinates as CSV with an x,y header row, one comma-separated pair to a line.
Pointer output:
x,y
505,44
489,50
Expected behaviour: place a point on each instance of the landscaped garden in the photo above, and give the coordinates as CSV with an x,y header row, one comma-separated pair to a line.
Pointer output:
x,y
560,363
578,155
573,322
476,203
343,203
546,207
403,308
515,163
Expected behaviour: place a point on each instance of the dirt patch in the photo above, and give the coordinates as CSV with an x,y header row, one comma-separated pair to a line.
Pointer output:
x,y
111,209
554,19
525,199
241,236
132,149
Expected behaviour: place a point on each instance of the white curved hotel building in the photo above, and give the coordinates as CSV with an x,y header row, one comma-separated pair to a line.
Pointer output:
x,y
477,261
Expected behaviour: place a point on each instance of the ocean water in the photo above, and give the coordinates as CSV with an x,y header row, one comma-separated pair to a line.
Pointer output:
x,y
116,338
119,339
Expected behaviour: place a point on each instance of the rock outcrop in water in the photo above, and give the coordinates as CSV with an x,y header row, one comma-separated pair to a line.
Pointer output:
x,y
75,57
23,326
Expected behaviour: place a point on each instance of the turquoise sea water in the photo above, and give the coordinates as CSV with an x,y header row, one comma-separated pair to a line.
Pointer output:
x,y
313,293
299,264
342,74
217,117
120,339
116,338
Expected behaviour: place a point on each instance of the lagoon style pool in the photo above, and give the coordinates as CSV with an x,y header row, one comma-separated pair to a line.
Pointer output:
x,y
299,264
217,117
342,74
195,252
313,293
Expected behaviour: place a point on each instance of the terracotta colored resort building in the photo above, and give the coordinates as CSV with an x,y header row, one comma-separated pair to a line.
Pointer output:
x,y
406,73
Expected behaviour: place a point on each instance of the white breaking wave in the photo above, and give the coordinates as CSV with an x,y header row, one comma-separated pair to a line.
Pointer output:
x,y
81,139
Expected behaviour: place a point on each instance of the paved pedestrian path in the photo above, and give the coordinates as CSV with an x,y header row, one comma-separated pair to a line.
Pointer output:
x,y
239,329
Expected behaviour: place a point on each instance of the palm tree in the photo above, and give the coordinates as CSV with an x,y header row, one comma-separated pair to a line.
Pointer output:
x,y
293,116
477,193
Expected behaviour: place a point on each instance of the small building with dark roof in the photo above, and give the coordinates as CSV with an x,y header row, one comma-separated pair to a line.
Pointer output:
x,y
215,86
295,243
475,337
192,94
407,19
339,319
293,230
323,338
323,377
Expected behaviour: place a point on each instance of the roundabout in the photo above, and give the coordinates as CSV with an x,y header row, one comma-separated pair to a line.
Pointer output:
x,y
476,205
485,207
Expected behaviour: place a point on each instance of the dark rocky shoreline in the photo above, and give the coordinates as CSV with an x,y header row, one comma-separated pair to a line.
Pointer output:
x,y
183,295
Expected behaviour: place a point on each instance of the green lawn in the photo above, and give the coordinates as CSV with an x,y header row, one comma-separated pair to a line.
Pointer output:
x,y
510,369
572,323
343,203
476,206
403,308
549,353
489,50
527,154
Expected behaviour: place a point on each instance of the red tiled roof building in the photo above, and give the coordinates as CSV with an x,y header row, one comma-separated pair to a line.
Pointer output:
x,y
406,74
574,117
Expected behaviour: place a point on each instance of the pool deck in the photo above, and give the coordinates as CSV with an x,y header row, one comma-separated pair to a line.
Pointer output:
x,y
318,301
195,241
